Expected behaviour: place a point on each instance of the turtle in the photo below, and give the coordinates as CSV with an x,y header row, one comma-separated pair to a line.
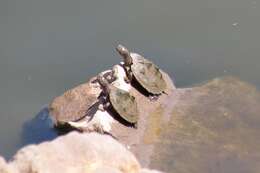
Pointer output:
x,y
100,122
146,73
119,76
77,103
101,119
122,101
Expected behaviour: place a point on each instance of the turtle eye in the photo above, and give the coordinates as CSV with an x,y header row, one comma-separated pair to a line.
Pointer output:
x,y
122,50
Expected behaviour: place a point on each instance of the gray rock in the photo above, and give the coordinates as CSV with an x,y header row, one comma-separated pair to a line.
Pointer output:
x,y
213,127
207,128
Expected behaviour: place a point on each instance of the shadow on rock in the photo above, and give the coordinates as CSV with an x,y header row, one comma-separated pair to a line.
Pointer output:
x,y
38,129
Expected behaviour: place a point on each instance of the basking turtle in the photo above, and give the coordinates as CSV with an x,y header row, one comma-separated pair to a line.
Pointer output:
x,y
147,74
121,101
75,104
100,122
118,76
101,119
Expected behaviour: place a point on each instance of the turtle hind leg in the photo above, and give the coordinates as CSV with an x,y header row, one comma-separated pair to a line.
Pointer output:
x,y
80,126
98,128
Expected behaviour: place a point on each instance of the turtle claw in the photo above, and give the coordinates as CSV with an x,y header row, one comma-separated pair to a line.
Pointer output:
x,y
153,97
101,107
165,93
106,105
127,80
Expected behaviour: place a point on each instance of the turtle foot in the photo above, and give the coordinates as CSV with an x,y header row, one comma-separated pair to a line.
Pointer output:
x,y
153,98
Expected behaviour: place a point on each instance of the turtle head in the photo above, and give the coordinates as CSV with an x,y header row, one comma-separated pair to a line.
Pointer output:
x,y
118,72
125,54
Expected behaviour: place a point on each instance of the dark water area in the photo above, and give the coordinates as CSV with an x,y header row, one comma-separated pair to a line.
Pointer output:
x,y
47,47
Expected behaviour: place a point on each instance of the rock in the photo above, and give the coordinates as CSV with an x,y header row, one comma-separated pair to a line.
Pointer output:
x,y
211,127
73,105
208,128
149,171
75,153
3,166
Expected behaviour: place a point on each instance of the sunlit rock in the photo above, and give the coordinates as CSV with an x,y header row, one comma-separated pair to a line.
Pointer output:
x,y
75,153
149,171
211,127
3,166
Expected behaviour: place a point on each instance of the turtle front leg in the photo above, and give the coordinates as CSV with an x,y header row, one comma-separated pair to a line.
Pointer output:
x,y
106,105
128,79
129,75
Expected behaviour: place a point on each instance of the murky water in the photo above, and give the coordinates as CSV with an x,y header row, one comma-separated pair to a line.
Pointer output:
x,y
49,46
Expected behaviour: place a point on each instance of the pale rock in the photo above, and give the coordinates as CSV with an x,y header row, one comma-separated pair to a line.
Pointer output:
x,y
75,153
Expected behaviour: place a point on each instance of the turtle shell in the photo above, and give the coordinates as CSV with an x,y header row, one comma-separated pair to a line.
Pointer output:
x,y
74,103
124,104
77,102
147,74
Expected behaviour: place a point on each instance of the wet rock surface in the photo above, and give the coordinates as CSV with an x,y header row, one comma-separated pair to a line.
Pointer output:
x,y
213,127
